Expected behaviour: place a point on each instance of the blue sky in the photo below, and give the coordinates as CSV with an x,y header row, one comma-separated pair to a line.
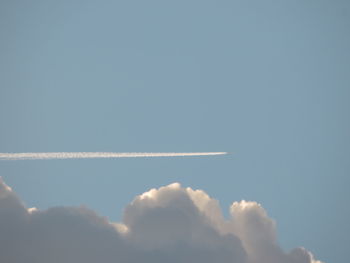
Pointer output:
x,y
267,81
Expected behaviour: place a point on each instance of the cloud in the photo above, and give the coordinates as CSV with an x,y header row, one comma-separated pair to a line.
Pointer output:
x,y
90,155
169,224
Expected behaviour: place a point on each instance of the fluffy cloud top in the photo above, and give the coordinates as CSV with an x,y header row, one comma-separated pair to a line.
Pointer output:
x,y
169,224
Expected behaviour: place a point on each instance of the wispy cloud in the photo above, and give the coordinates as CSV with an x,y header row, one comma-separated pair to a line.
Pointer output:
x,y
86,155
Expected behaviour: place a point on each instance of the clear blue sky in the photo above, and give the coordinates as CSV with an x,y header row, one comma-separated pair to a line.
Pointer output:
x,y
265,80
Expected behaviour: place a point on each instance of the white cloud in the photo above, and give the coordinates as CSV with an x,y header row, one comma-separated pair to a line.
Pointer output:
x,y
90,155
169,224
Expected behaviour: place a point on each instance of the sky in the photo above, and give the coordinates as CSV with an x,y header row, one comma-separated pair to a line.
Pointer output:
x,y
267,81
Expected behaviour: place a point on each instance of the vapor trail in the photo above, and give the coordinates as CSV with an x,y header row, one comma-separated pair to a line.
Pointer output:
x,y
86,155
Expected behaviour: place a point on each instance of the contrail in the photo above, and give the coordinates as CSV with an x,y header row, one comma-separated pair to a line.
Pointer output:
x,y
86,155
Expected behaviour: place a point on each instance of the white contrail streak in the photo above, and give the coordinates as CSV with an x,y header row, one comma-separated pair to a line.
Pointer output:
x,y
86,155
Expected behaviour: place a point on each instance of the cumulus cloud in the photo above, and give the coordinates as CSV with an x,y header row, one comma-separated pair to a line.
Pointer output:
x,y
169,224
